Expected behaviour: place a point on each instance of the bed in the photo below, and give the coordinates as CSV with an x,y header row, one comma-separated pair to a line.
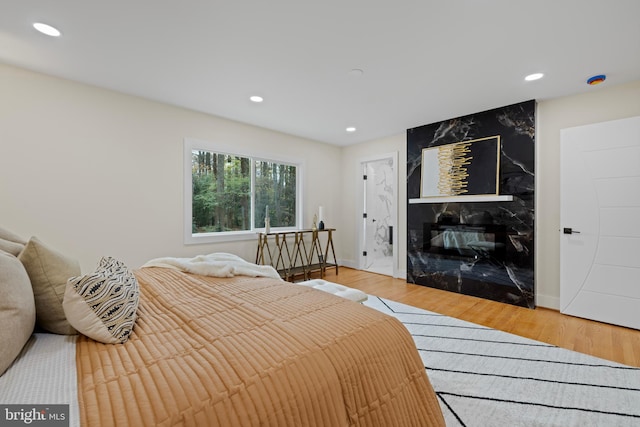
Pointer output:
x,y
233,351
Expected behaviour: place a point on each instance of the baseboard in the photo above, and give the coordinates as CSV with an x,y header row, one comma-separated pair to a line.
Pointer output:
x,y
548,301
400,274
348,263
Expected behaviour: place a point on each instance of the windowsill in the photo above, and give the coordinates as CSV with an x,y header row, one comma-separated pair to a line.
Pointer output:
x,y
234,236
468,199
231,236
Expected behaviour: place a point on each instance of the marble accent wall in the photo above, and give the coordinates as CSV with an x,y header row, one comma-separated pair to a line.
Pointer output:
x,y
484,249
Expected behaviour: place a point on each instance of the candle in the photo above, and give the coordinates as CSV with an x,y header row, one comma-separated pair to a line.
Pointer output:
x,y
266,211
320,213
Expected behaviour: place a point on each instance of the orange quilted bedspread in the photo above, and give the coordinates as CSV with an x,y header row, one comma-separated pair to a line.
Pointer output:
x,y
253,352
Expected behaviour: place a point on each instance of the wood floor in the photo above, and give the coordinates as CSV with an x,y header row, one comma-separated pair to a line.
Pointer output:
x,y
610,342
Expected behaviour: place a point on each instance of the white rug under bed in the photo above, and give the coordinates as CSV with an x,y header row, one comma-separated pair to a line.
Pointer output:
x,y
484,377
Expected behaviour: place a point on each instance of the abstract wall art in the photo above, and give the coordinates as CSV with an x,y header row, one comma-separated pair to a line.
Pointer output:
x,y
465,168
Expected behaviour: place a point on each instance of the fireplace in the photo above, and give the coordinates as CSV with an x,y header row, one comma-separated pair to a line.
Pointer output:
x,y
470,214
481,242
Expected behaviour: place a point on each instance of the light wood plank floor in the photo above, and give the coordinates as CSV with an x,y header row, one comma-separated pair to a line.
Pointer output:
x,y
610,342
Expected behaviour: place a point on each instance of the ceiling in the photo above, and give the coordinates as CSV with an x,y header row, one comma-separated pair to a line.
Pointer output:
x,y
422,60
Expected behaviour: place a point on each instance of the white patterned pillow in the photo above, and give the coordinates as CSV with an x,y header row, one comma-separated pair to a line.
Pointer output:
x,y
103,305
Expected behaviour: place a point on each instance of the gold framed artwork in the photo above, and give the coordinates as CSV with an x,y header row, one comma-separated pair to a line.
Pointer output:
x,y
465,168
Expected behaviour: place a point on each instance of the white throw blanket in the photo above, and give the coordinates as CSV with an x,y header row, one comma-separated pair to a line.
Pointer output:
x,y
217,264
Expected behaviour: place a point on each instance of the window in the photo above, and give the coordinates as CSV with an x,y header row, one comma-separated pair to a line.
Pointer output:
x,y
227,195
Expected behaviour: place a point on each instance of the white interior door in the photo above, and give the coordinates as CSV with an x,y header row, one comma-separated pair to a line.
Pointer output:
x,y
378,219
600,222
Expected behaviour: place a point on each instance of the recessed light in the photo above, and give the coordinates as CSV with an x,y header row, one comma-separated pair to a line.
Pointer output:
x,y
356,72
256,98
534,76
350,129
46,29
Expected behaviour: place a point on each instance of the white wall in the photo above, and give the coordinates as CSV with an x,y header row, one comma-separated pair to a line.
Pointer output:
x,y
351,211
601,103
94,172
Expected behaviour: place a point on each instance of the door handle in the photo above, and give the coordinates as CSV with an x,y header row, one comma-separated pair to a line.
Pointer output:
x,y
569,230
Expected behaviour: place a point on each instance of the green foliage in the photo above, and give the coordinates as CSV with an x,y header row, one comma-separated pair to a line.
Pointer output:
x,y
222,193
275,188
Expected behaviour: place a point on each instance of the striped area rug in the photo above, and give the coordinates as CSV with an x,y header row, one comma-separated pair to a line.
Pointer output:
x,y
485,377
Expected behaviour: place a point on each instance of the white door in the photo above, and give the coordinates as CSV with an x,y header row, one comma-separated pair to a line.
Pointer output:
x,y
600,222
378,216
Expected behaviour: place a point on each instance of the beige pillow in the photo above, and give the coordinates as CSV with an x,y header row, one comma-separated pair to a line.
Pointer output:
x,y
49,270
103,305
10,242
17,309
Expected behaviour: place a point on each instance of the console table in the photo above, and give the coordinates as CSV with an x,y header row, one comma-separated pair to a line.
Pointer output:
x,y
297,252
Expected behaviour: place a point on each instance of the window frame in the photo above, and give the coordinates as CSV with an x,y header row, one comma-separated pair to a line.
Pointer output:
x,y
190,238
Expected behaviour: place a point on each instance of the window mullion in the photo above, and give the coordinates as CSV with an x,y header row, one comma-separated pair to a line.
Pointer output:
x,y
253,194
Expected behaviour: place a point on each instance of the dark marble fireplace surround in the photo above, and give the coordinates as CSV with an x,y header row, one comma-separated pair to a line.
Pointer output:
x,y
484,249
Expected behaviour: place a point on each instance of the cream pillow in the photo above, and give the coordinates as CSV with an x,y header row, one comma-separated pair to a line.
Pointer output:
x,y
49,270
7,235
17,309
10,242
103,305
11,247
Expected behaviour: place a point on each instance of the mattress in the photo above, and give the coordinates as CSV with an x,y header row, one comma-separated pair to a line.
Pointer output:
x,y
246,351
44,373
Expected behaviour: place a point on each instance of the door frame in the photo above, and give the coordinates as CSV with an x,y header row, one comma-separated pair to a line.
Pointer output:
x,y
394,210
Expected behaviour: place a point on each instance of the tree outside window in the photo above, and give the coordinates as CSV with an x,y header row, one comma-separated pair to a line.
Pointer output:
x,y
275,188
222,199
